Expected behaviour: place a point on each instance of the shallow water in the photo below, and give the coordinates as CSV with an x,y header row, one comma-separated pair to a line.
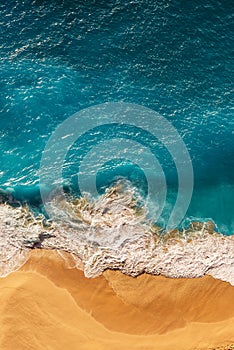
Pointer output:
x,y
59,57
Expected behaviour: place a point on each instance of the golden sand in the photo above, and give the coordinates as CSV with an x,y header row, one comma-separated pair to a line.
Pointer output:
x,y
47,305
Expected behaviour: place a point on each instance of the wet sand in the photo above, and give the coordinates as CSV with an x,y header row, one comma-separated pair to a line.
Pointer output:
x,y
48,305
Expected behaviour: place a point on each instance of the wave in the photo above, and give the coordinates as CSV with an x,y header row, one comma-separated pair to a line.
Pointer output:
x,y
113,232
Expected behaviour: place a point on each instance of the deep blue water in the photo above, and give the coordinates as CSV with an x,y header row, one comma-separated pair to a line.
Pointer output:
x,y
175,57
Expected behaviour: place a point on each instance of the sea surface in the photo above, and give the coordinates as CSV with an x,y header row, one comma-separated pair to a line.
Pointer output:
x,y
58,57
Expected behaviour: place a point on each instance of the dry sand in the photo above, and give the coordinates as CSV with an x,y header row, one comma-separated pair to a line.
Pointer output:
x,y
47,305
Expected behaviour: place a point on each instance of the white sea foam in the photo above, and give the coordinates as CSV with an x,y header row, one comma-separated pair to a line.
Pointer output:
x,y
113,232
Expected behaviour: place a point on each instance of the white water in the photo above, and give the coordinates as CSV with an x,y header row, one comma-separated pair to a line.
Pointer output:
x,y
113,232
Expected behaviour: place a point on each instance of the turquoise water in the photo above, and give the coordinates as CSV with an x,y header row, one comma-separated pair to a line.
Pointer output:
x,y
174,57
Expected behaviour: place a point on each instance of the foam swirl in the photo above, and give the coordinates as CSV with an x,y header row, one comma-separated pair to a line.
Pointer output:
x,y
113,232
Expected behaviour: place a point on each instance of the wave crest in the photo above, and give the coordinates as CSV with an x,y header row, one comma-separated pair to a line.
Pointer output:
x,y
113,232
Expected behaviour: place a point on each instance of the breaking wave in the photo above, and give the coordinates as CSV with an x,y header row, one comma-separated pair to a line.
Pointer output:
x,y
114,232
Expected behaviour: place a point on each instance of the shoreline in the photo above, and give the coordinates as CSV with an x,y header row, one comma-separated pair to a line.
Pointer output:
x,y
197,252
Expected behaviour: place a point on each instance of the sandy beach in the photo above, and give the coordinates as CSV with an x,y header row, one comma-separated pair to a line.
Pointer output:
x,y
49,305
116,175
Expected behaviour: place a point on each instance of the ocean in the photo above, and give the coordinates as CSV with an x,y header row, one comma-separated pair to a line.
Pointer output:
x,y
175,58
